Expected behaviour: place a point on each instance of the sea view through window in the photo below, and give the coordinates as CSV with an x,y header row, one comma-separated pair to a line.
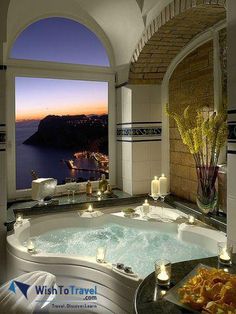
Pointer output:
x,y
61,129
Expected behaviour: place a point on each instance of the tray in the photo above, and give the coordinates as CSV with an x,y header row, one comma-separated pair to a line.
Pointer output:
x,y
173,296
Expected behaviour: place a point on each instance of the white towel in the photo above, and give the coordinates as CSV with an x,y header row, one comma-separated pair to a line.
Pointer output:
x,y
15,302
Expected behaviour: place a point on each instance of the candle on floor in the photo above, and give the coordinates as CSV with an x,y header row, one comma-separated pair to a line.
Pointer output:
x,y
155,187
163,185
225,253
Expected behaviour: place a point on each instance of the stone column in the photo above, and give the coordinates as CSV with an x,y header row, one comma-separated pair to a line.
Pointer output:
x,y
231,180
139,137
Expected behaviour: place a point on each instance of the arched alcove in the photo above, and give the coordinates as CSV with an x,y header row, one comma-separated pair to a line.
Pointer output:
x,y
63,40
168,34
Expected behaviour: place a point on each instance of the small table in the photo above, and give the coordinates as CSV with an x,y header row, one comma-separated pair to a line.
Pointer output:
x,y
148,298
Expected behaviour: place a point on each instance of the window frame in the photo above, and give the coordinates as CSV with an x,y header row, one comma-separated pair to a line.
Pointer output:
x,y
55,70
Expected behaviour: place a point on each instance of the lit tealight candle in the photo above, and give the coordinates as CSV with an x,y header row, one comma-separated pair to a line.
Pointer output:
x,y
19,219
225,253
224,256
191,220
101,254
90,209
99,195
163,272
30,246
163,278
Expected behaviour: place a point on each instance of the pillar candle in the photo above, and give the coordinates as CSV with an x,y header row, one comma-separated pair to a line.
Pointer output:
x,y
155,187
145,207
163,185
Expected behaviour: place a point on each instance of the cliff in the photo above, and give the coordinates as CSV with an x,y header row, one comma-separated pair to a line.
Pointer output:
x,y
78,132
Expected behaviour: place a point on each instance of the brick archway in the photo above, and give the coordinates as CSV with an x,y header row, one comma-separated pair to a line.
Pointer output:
x,y
167,34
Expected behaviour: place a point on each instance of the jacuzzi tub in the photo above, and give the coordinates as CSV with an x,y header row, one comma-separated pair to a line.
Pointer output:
x,y
115,290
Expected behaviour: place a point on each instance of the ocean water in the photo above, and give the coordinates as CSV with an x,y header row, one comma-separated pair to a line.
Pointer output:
x,y
132,246
47,162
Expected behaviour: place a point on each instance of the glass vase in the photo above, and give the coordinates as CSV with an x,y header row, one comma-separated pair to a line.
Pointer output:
x,y
207,197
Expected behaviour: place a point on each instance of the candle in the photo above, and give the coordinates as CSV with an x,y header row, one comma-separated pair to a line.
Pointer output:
x,y
163,186
224,256
191,220
163,272
145,207
163,278
224,253
99,194
30,246
101,253
90,209
19,219
155,187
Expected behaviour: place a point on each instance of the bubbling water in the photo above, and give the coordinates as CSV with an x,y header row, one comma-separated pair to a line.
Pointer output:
x,y
133,247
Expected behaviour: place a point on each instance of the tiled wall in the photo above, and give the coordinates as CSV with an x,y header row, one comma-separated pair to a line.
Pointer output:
x,y
231,184
190,84
138,137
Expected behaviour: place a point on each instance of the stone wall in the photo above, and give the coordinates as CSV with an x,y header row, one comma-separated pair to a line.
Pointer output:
x,y
191,84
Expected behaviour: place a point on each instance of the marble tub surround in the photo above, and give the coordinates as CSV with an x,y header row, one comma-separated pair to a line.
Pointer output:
x,y
214,220
149,298
115,205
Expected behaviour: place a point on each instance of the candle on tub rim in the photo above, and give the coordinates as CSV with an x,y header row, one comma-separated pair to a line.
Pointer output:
x,y
101,254
30,246
163,185
19,219
99,195
90,209
155,187
191,220
225,253
146,207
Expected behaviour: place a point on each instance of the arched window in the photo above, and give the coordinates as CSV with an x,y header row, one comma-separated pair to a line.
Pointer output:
x,y
60,111
59,39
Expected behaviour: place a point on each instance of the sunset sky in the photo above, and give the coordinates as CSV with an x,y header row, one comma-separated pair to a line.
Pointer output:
x,y
59,40
39,97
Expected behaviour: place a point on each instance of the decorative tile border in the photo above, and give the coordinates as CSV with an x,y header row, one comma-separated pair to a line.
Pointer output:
x,y
232,131
2,137
139,131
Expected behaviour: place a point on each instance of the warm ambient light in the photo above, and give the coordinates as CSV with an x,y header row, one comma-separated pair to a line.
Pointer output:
x,y
19,219
30,246
101,254
163,272
90,209
163,276
145,208
225,253
191,220
99,195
